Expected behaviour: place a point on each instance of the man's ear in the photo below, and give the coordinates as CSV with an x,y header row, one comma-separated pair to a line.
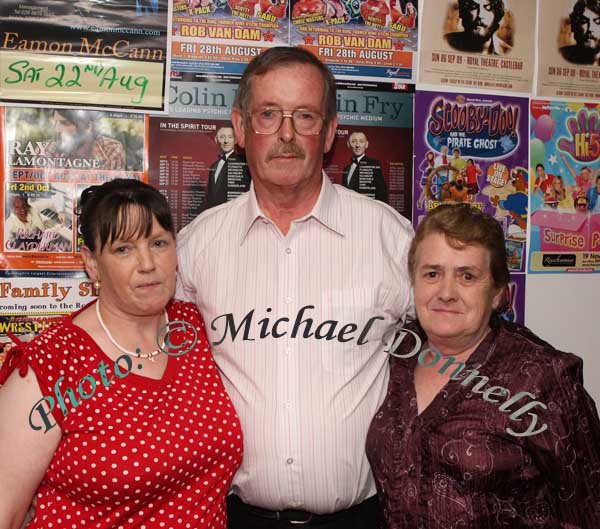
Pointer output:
x,y
90,263
237,120
330,134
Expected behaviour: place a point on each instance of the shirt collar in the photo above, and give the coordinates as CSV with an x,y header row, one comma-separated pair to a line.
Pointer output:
x,y
326,210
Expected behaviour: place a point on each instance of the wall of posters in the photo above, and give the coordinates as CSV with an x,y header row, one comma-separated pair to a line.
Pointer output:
x,y
474,149
359,39
489,47
372,153
222,36
569,49
98,54
565,204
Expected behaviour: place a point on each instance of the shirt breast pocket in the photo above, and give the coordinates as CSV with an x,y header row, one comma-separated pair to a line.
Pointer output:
x,y
354,323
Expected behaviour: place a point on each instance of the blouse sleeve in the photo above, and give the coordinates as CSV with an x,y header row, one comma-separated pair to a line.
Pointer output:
x,y
569,451
48,356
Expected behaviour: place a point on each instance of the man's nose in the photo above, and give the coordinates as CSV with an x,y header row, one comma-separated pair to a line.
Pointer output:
x,y
287,132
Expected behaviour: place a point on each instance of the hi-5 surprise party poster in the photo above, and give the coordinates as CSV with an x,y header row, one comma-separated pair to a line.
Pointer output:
x,y
565,204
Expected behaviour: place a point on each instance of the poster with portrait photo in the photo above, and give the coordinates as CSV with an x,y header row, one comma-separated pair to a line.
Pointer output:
x,y
196,164
372,152
478,44
569,49
45,154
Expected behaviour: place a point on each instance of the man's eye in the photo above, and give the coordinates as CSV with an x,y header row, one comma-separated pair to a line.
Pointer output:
x,y
468,276
306,116
431,275
267,114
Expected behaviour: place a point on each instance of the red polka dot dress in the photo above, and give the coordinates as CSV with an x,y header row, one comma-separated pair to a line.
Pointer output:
x,y
138,452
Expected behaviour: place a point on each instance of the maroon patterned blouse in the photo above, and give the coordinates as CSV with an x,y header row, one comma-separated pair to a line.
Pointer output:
x,y
456,467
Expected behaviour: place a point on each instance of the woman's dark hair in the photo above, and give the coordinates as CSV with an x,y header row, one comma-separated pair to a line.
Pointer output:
x,y
121,209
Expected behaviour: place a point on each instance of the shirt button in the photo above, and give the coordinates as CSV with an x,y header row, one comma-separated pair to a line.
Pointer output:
x,y
288,350
288,299
288,250
288,405
289,461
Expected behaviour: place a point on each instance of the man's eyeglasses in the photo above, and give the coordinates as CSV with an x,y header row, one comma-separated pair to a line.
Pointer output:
x,y
269,120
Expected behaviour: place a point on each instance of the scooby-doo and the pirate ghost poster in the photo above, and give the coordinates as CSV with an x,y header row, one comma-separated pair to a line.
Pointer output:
x,y
473,149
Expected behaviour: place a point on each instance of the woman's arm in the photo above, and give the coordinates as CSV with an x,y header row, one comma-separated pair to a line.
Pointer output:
x,y
26,453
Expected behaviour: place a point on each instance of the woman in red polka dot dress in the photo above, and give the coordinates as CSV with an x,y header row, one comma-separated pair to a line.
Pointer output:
x,y
98,426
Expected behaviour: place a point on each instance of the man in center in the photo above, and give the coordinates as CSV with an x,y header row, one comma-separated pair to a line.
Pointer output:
x,y
300,283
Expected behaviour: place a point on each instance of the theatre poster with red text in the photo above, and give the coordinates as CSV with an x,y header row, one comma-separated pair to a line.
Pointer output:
x,y
359,39
222,36
565,189
490,47
473,149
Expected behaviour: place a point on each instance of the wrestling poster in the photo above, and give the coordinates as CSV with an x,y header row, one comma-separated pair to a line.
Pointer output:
x,y
94,54
222,36
359,39
565,189
478,44
569,49
29,302
196,163
48,157
473,149
372,153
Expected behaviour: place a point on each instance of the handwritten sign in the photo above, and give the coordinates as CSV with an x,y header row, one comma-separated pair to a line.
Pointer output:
x,y
81,80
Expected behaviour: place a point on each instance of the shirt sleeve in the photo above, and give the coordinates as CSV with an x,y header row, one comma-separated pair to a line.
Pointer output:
x,y
185,289
48,358
569,450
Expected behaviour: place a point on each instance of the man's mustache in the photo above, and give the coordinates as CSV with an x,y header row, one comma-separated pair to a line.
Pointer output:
x,y
286,149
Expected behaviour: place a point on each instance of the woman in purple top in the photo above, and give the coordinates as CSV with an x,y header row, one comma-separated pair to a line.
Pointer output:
x,y
485,425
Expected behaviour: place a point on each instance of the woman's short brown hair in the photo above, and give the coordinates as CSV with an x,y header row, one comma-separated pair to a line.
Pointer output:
x,y
464,225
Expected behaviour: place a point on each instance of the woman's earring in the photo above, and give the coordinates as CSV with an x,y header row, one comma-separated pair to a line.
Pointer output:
x,y
97,284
